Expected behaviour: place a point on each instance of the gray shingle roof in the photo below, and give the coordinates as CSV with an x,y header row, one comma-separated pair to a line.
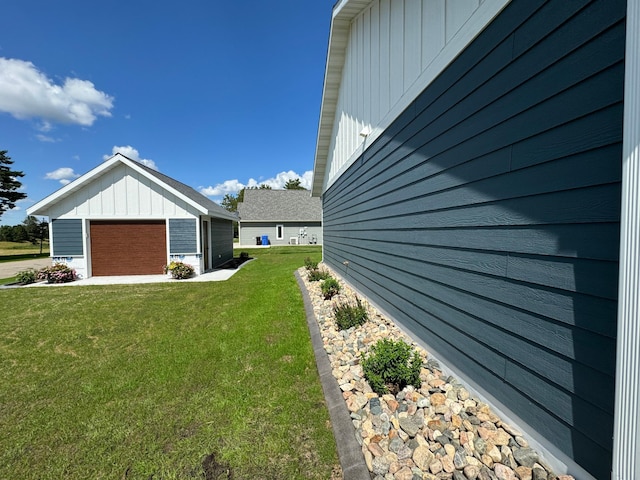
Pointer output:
x,y
215,210
264,205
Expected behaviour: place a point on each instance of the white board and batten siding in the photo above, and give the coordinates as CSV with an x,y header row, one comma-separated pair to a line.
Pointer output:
x,y
122,193
376,83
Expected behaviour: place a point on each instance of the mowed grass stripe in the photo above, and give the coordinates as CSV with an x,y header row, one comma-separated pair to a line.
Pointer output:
x,y
135,381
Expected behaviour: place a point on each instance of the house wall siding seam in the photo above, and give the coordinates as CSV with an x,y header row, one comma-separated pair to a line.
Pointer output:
x,y
67,237
485,220
221,241
183,235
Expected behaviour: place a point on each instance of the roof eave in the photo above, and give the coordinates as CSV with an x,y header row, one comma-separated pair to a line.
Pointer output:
x,y
41,207
343,14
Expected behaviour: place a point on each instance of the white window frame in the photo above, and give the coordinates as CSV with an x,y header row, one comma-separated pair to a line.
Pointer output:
x,y
279,232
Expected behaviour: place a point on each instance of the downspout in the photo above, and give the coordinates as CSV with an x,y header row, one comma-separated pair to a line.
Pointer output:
x,y
626,433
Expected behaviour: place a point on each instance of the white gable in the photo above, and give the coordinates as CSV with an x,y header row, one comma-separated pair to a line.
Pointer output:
x,y
121,192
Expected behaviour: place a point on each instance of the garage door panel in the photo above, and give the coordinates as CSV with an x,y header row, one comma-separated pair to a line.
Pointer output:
x,y
128,247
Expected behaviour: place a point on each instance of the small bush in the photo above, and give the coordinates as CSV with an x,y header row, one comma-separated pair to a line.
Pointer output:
x,y
179,270
244,256
330,287
57,273
25,277
348,316
391,366
310,264
316,275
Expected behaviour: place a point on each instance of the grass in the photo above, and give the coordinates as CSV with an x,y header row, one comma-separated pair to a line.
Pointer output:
x,y
145,381
7,281
10,251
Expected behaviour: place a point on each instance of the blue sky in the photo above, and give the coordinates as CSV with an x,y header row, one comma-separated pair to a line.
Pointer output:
x,y
216,94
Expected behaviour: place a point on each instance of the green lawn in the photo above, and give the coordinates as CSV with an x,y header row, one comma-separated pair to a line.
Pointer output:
x,y
10,251
145,381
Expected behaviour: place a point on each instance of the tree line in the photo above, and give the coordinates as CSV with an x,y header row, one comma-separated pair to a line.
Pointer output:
x,y
31,230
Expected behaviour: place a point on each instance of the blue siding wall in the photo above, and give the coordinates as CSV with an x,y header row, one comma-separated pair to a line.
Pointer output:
x,y
182,235
67,237
485,220
221,241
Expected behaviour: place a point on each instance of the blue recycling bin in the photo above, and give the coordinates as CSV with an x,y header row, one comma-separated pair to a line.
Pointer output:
x,y
265,239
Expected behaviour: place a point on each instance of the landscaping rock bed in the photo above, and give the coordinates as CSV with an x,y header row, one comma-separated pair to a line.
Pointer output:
x,y
438,431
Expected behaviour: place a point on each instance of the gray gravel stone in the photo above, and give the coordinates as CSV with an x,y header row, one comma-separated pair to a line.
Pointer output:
x,y
437,428
525,456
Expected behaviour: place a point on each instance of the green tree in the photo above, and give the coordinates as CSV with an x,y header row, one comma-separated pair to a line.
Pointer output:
x,y
230,202
37,230
293,184
6,233
19,233
9,184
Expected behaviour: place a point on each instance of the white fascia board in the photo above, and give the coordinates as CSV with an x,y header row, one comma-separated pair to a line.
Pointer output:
x,y
343,13
41,207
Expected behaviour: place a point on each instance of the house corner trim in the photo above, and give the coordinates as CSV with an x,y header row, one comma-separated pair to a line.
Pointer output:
x,y
626,437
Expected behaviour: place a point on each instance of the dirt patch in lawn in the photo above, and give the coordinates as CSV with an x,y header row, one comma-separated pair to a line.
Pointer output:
x,y
214,470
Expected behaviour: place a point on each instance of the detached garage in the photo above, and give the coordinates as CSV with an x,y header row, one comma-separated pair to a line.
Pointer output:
x,y
124,218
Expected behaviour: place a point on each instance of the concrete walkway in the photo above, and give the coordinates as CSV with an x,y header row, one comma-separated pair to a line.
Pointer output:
x,y
12,268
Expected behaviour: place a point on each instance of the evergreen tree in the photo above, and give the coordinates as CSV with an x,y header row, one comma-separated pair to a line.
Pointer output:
x,y
293,184
9,184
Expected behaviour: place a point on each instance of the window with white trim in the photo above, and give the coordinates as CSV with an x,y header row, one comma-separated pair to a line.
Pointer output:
x,y
279,232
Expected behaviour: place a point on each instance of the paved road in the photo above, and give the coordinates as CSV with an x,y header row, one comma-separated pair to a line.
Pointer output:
x,y
9,269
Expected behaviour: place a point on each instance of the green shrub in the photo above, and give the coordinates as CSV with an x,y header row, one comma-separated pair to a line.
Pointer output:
x,y
25,277
244,255
179,270
57,273
348,316
330,287
316,275
391,366
310,264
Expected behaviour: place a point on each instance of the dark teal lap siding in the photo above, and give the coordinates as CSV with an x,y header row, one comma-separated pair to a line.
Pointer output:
x,y
486,218
221,241
182,235
67,237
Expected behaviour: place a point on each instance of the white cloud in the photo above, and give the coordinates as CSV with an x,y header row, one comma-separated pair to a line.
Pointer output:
x,y
229,186
132,153
63,174
277,183
25,92
46,138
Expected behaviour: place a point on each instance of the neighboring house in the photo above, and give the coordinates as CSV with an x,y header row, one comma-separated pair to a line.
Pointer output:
x,y
479,170
286,217
123,218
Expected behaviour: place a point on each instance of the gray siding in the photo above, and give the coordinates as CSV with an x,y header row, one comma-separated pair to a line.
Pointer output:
x,y
221,241
485,220
67,237
250,230
182,235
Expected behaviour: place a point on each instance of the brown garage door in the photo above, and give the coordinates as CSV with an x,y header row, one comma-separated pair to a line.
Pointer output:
x,y
128,248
